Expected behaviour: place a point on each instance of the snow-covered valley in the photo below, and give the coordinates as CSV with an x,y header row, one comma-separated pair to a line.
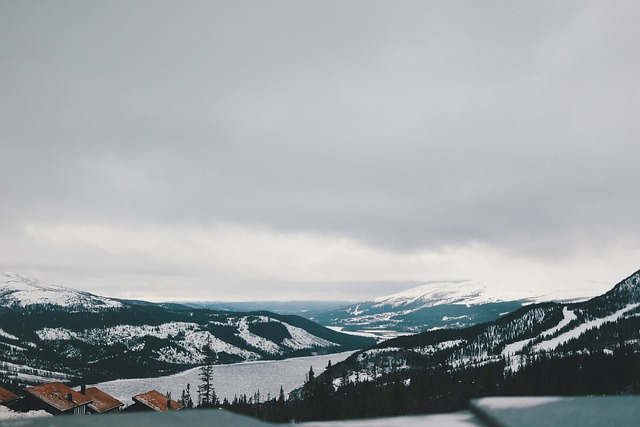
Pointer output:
x,y
230,380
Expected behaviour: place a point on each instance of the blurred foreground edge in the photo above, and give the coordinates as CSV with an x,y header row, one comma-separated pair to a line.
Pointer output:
x,y
619,411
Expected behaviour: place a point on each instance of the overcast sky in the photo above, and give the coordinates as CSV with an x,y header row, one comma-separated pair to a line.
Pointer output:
x,y
244,150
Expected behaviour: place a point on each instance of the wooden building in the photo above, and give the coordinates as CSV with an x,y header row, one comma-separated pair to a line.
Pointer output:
x,y
55,398
102,403
153,401
7,398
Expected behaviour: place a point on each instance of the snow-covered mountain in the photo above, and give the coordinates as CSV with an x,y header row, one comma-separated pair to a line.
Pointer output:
x,y
440,293
607,323
430,306
24,291
49,331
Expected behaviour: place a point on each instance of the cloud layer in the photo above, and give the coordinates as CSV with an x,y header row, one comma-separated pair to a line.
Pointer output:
x,y
279,132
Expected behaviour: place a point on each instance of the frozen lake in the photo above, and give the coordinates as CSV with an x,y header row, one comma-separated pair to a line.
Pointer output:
x,y
229,380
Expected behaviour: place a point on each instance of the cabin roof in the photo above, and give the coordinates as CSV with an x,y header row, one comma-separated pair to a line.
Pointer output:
x,y
7,396
57,394
157,401
102,402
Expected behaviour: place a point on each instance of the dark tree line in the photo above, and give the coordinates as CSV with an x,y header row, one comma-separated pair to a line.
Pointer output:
x,y
438,388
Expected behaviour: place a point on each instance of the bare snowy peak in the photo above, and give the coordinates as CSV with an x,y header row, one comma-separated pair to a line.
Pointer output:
x,y
24,291
629,287
465,293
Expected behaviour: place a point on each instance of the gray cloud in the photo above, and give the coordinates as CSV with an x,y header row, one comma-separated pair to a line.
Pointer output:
x,y
407,126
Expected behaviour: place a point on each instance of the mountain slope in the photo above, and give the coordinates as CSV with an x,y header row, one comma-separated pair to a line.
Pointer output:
x,y
552,349
431,306
55,332
605,323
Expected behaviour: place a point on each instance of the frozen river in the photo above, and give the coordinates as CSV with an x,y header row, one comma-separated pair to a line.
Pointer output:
x,y
229,380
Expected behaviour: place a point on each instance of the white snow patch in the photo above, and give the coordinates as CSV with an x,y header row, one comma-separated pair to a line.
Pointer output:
x,y
513,348
301,339
580,329
356,333
256,341
517,402
447,318
8,335
8,414
375,352
13,347
379,334
569,316
356,311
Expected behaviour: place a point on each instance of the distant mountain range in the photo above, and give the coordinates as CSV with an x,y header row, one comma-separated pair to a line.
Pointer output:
x,y
49,331
426,307
606,324
301,308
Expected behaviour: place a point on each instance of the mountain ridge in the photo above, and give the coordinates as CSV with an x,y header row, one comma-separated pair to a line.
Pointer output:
x,y
54,332
431,306
603,323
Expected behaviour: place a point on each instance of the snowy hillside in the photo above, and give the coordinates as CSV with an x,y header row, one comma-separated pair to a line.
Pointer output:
x,y
24,291
186,340
606,323
49,331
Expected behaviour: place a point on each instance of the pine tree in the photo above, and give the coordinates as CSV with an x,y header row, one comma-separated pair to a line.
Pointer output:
x,y
344,378
206,393
185,398
280,411
256,399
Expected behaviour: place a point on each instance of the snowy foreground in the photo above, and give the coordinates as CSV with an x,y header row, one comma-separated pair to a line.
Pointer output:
x,y
230,380
459,419
8,414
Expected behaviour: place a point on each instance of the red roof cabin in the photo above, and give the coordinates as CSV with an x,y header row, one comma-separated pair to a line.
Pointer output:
x,y
153,401
7,398
55,398
102,403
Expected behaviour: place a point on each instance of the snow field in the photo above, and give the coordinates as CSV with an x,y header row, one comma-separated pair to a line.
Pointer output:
x,y
229,380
